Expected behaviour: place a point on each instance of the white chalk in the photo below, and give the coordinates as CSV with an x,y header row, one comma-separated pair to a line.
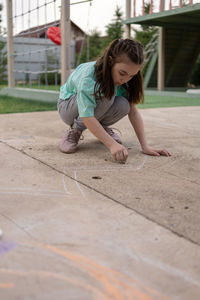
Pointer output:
x,y
1,233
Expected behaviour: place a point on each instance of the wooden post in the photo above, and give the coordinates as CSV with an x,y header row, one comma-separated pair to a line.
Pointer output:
x,y
161,59
180,3
162,5
191,2
143,8
170,4
65,40
134,8
128,15
10,45
151,7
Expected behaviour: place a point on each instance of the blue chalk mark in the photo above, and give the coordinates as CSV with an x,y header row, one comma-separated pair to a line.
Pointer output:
x,y
6,246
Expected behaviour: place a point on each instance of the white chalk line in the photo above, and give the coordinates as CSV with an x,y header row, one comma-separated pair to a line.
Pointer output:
x,y
166,124
64,184
78,185
28,191
81,190
142,164
31,194
117,167
169,269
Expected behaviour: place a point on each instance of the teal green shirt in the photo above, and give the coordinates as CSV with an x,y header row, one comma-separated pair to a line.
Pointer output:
x,y
82,82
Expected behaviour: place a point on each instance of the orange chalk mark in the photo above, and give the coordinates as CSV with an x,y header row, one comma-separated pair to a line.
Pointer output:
x,y
6,285
104,275
44,274
134,281
112,291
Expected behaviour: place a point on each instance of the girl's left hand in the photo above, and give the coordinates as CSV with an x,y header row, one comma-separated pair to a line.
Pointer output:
x,y
155,152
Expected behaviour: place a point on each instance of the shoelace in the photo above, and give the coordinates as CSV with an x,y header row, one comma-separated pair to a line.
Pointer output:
x,y
74,136
110,129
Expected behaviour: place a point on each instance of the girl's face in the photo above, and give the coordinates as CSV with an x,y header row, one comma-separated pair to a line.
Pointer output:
x,y
123,71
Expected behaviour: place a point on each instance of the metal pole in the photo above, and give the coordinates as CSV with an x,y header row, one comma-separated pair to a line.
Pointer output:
x,y
128,15
161,59
10,46
65,40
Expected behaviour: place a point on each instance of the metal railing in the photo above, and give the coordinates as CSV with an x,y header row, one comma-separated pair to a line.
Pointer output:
x,y
158,6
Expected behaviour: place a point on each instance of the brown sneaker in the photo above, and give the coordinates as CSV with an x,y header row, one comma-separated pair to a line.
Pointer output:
x,y
114,135
70,139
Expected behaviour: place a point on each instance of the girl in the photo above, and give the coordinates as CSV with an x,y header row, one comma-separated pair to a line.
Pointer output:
x,y
98,94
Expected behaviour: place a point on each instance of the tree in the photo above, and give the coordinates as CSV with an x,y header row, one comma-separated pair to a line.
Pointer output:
x,y
145,35
3,59
95,47
97,44
115,29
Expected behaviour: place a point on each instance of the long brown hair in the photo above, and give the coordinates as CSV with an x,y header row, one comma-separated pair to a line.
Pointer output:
x,y
104,82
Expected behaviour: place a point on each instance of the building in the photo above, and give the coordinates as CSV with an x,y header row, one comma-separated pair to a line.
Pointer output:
x,y
35,54
77,34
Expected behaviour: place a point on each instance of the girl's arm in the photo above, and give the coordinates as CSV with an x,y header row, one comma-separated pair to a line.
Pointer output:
x,y
118,151
137,123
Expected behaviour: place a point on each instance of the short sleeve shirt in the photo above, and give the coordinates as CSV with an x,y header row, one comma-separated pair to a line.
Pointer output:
x,y
121,91
81,82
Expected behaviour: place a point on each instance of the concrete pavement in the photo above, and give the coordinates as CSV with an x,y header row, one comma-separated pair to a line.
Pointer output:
x,y
81,226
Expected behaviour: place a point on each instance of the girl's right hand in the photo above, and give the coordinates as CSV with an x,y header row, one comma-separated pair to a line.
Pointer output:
x,y
119,152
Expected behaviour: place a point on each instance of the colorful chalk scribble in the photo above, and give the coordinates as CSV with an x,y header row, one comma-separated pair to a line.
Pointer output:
x,y
110,283
6,246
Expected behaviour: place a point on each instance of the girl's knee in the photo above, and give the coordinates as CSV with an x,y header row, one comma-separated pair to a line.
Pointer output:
x,y
123,105
68,110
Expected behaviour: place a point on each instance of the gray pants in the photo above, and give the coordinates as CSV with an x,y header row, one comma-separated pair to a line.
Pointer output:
x,y
107,112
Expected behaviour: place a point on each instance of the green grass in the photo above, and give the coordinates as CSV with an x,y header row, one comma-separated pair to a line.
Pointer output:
x,y
40,87
3,86
167,101
34,86
16,105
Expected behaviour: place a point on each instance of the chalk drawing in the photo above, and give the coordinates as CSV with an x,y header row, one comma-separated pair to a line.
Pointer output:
x,y
116,166
142,164
6,246
78,185
111,284
64,184
32,192
115,288
6,285
166,124
169,269
54,276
